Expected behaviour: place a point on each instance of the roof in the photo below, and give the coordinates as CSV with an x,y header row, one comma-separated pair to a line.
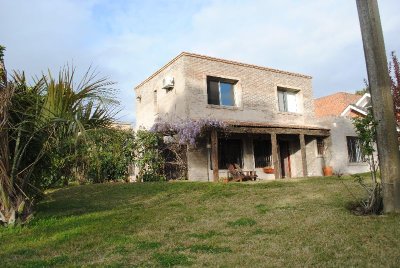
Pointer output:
x,y
269,125
188,54
335,104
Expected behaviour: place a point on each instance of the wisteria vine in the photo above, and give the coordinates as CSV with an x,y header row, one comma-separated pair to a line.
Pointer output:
x,y
188,131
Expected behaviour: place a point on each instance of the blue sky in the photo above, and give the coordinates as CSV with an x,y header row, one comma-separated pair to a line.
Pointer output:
x,y
129,40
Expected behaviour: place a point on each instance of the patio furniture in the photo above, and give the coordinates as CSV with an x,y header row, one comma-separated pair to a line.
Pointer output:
x,y
235,173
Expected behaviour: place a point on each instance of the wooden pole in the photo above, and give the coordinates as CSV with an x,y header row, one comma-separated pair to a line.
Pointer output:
x,y
303,155
382,102
214,154
275,155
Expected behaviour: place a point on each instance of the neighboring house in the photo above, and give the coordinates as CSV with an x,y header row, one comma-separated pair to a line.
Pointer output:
x,y
270,114
335,112
122,126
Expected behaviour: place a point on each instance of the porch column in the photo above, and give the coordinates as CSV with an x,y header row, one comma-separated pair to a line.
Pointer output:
x,y
275,154
214,154
303,155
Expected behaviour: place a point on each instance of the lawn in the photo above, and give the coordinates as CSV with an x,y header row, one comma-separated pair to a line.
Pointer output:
x,y
280,223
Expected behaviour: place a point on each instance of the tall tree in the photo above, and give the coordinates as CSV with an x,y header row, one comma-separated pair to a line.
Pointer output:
x,y
382,102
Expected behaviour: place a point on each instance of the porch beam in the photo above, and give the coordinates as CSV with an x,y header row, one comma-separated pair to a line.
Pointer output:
x,y
214,154
255,130
275,155
303,154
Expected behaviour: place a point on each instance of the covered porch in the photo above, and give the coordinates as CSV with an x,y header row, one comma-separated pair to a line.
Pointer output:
x,y
272,151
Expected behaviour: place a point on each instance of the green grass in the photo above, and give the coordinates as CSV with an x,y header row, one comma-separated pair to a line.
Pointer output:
x,y
279,223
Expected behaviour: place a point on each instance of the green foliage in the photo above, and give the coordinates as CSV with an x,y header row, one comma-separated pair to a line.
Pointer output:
x,y
2,49
110,152
362,91
148,157
101,155
41,126
366,131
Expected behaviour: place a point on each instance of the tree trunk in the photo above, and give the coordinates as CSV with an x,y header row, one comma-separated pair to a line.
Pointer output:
x,y
6,187
382,103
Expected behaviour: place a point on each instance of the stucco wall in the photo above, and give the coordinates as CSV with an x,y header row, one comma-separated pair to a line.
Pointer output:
x,y
337,155
170,103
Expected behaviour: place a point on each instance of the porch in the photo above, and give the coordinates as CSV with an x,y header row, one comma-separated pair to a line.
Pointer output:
x,y
288,151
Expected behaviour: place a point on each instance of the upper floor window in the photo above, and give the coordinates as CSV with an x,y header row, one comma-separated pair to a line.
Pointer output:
x,y
221,91
287,100
354,150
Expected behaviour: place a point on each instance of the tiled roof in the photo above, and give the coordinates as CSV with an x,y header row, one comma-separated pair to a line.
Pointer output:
x,y
220,60
334,104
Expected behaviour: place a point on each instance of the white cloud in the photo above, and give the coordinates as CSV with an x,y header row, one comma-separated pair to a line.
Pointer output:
x,y
128,40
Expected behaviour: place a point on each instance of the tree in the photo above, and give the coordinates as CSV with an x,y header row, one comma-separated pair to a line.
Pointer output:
x,y
366,131
35,120
382,101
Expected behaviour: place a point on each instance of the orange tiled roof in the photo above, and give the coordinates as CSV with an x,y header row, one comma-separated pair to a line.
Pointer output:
x,y
334,104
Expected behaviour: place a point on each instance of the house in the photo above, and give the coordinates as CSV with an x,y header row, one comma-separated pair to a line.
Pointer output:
x,y
126,126
335,112
270,114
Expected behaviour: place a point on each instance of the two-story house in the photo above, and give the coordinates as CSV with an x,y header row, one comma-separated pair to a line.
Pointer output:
x,y
270,114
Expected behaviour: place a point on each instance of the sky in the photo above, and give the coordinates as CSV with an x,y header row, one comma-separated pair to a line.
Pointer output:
x,y
129,40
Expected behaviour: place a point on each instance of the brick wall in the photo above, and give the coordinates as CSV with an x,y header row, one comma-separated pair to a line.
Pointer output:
x,y
255,93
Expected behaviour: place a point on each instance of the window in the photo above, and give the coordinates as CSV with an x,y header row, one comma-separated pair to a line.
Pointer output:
x,y
220,91
287,101
262,153
354,150
320,146
229,152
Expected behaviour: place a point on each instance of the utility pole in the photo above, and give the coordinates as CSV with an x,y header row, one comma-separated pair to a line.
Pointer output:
x,y
382,103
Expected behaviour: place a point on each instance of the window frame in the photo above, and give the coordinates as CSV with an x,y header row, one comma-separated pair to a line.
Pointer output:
x,y
220,80
284,92
358,157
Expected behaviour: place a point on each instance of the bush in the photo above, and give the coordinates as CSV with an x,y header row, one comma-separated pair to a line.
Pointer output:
x,y
148,157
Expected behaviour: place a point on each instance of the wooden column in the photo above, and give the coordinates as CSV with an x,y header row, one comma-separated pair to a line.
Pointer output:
x,y
275,156
214,154
303,155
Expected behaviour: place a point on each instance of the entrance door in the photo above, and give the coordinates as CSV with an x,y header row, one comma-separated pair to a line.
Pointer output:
x,y
285,159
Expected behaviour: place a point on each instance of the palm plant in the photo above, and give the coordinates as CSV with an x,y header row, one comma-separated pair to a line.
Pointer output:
x,y
34,121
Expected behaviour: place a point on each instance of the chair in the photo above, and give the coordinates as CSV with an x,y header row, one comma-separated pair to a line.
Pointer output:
x,y
237,174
